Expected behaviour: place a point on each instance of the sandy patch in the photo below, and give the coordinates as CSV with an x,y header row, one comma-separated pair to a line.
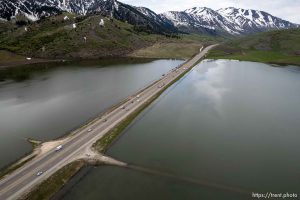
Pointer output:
x,y
49,146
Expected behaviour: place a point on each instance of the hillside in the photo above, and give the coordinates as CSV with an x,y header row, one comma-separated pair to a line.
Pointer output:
x,y
55,37
278,47
81,37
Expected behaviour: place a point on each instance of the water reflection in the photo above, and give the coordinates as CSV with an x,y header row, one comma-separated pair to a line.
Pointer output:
x,y
56,99
210,83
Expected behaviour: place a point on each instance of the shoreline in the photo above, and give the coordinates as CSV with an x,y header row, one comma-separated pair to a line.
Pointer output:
x,y
274,64
127,120
98,146
36,61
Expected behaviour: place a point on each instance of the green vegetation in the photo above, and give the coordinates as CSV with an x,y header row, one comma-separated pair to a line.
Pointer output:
x,y
7,57
55,37
55,182
278,47
183,48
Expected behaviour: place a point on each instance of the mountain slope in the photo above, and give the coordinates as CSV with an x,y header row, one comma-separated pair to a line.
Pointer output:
x,y
36,9
249,20
281,47
157,19
81,37
232,21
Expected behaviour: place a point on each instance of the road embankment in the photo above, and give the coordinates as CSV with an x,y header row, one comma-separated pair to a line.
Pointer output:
x,y
78,145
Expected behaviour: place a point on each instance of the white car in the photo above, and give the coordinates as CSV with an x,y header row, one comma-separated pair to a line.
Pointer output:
x,y
138,96
89,130
58,147
39,173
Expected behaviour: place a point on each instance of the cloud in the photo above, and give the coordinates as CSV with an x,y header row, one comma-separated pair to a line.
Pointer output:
x,y
285,9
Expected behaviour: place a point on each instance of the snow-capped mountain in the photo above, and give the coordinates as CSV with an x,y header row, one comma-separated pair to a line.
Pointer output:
x,y
201,19
249,20
157,18
35,9
233,21
230,20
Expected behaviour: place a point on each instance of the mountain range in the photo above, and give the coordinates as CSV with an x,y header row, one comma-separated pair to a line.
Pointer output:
x,y
225,21
234,21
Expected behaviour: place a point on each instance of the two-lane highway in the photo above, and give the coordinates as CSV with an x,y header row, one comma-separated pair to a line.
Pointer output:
x,y
25,178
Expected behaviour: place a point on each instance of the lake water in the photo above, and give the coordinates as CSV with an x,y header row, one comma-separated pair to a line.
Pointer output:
x,y
225,130
51,101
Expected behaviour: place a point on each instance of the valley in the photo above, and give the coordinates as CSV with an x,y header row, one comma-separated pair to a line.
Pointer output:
x,y
57,30
108,99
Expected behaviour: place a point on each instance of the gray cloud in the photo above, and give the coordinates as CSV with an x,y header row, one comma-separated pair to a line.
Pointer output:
x,y
285,9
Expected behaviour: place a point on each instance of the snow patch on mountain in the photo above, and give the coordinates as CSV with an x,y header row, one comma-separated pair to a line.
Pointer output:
x,y
234,21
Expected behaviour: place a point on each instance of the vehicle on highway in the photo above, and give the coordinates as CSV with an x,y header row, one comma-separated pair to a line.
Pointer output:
x,y
138,96
39,173
163,75
90,129
138,100
58,147
123,107
104,120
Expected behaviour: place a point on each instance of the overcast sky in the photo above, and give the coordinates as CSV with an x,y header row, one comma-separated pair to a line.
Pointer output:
x,y
286,9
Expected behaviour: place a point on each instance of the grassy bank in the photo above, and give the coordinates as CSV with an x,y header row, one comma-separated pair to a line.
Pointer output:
x,y
278,47
55,182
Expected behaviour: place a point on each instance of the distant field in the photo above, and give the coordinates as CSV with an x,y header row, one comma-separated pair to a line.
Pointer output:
x,y
278,47
183,48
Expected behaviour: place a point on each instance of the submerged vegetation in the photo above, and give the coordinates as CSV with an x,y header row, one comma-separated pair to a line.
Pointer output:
x,y
278,47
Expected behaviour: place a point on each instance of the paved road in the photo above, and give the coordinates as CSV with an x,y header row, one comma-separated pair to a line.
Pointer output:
x,y
25,178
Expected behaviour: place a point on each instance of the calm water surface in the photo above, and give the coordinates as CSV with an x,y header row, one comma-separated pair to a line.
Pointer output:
x,y
53,101
225,130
